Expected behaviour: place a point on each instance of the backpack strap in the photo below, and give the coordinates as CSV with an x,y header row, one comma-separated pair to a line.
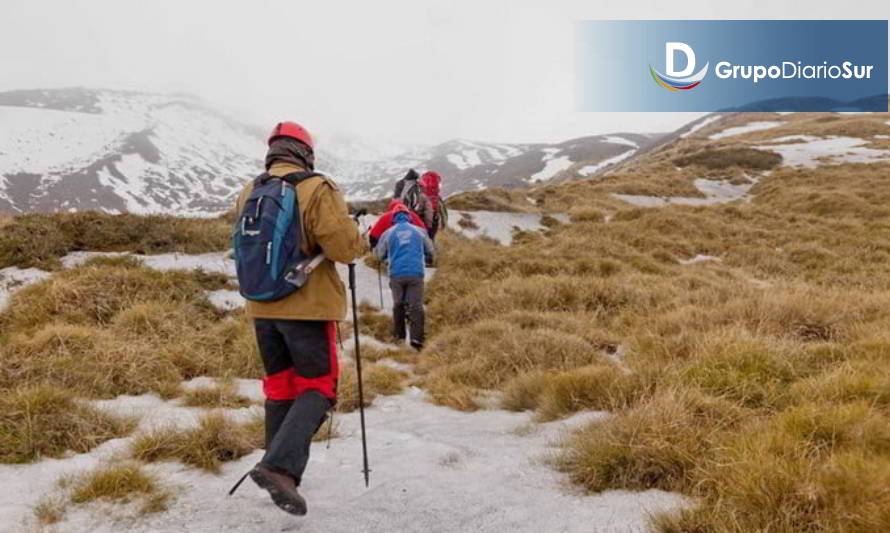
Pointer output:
x,y
293,178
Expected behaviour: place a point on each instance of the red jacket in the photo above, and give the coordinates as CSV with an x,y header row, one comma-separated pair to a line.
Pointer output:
x,y
385,221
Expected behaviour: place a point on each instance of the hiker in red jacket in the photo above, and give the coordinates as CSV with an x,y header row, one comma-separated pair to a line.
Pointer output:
x,y
386,221
430,185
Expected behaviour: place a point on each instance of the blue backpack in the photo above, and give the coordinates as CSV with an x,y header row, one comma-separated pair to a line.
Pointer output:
x,y
266,239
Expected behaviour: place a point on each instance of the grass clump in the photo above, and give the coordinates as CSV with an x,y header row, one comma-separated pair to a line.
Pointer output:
x,y
374,322
215,440
44,421
116,482
116,327
820,465
384,380
720,158
554,395
221,396
39,240
95,294
656,444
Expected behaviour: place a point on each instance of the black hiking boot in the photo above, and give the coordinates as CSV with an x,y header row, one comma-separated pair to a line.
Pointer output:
x,y
281,488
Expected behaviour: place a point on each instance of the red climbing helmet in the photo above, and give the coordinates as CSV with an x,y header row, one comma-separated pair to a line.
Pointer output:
x,y
294,131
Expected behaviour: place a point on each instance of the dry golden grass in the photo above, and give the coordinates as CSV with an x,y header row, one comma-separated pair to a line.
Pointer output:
x,y
756,383
656,444
400,354
220,396
383,380
347,391
374,322
215,440
119,482
118,327
38,240
44,421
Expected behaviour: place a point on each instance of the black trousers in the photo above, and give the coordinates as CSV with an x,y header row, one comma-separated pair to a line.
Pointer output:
x,y
300,360
407,303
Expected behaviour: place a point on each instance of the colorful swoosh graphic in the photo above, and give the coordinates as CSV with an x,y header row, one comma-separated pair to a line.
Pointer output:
x,y
678,84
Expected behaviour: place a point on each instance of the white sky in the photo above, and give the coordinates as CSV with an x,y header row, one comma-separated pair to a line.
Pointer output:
x,y
422,70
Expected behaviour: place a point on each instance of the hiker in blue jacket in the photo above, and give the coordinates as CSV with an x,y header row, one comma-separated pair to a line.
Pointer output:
x,y
408,250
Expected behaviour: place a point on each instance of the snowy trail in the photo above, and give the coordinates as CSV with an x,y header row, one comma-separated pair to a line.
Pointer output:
x,y
433,469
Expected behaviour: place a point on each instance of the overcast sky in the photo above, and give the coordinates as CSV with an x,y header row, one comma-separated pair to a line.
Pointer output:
x,y
420,70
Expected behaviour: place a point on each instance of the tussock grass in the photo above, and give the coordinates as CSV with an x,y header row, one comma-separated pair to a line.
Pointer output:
x,y
120,483
495,199
655,444
39,240
215,440
347,391
378,380
44,421
601,386
384,380
221,396
719,158
117,327
400,354
374,322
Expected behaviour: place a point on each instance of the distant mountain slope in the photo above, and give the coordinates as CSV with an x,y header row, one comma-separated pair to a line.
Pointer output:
x,y
75,149
120,151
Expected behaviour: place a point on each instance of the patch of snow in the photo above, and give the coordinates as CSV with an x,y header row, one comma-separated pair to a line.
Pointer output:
x,y
498,225
810,152
747,128
468,471
13,279
552,166
700,125
614,139
716,192
882,136
226,300
593,169
699,258
216,262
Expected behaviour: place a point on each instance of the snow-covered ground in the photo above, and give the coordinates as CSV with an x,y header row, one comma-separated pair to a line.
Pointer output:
x,y
808,151
498,225
698,258
552,165
433,469
589,170
700,125
13,279
716,192
747,128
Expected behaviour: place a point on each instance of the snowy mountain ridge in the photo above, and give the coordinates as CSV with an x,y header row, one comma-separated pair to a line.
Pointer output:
x,y
124,151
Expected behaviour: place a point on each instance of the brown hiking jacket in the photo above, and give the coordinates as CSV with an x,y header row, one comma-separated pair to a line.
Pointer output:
x,y
327,228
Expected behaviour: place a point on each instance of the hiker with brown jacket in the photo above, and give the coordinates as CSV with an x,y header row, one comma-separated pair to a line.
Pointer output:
x,y
296,334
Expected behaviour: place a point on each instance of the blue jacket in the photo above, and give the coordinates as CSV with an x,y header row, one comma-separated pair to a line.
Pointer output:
x,y
406,247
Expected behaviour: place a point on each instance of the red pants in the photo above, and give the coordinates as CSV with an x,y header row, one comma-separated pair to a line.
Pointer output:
x,y
298,356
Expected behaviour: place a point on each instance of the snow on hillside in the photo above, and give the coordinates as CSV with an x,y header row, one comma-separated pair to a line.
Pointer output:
x,y
747,128
142,153
78,149
810,151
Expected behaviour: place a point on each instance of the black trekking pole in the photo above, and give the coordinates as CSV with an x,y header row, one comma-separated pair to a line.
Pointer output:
x,y
358,372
